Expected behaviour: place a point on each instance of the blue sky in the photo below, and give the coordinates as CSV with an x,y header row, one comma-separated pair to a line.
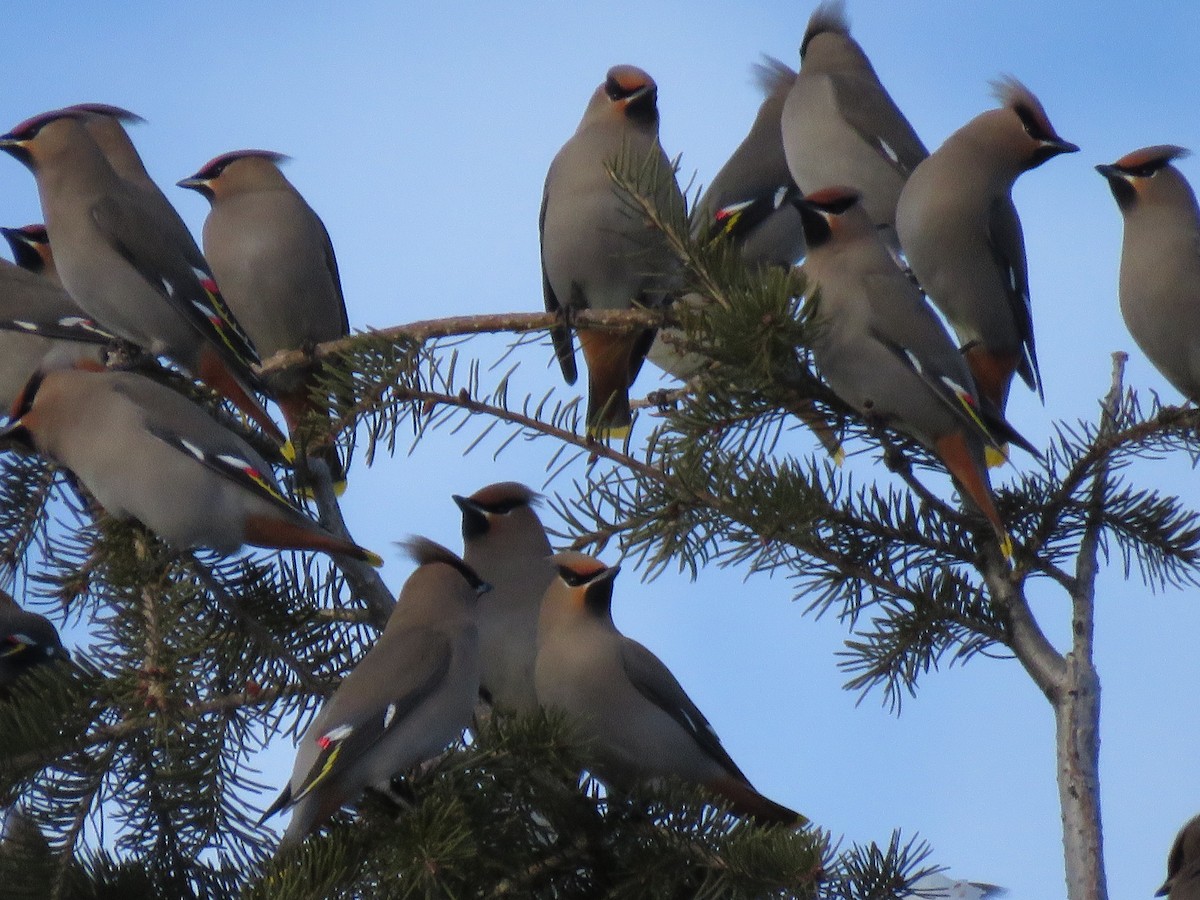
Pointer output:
x,y
422,137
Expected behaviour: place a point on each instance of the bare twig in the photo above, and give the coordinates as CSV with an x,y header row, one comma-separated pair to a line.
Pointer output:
x,y
418,332
365,582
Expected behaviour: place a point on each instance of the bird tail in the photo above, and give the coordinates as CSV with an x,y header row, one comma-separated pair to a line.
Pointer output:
x,y
971,474
283,534
299,407
992,373
806,412
217,375
608,359
746,801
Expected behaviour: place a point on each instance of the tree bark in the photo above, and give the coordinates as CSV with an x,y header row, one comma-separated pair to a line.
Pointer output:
x,y
1077,709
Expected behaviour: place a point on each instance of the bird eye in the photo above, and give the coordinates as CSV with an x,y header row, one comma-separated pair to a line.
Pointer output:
x,y
1030,122
573,578
29,132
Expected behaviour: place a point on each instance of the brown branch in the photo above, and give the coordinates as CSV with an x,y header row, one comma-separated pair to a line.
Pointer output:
x,y
365,582
452,326
464,401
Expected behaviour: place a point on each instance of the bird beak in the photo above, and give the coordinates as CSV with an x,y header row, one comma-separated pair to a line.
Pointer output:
x,y
202,186
1061,146
814,222
16,433
642,104
475,520
1124,189
14,147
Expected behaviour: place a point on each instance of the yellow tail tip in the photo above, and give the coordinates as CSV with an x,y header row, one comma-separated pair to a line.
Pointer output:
x,y
288,451
995,456
839,457
373,559
307,493
608,432
1006,547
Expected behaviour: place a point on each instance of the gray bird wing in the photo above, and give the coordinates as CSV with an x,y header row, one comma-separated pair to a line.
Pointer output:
x,y
737,220
426,656
954,392
23,632
232,467
1008,249
560,335
191,290
655,682
30,304
76,328
868,109
334,274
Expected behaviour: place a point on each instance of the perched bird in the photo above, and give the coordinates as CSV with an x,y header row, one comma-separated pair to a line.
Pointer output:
x,y
962,237
840,126
123,265
748,204
31,251
26,640
274,261
882,349
411,695
1160,261
39,321
597,252
633,716
504,541
146,452
1183,865
746,201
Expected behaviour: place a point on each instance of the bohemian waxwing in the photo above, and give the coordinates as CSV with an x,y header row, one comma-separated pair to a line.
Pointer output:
x,y
1160,262
634,718
411,695
26,640
1183,865
504,541
146,452
962,237
883,350
746,200
39,321
125,266
31,251
752,204
748,205
840,126
274,261
597,252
